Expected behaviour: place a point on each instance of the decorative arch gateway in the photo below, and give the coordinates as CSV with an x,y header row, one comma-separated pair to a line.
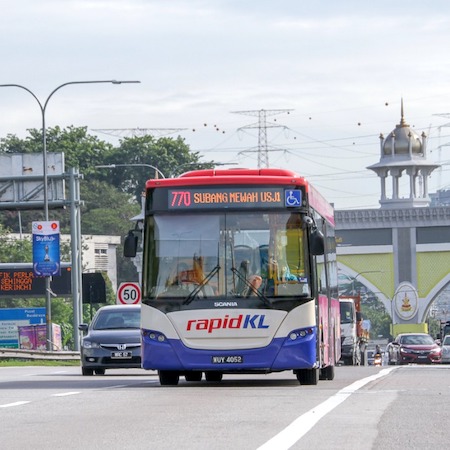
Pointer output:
x,y
375,280
407,304
434,293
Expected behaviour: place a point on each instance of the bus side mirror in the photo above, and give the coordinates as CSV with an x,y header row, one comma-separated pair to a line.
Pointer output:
x,y
317,243
130,245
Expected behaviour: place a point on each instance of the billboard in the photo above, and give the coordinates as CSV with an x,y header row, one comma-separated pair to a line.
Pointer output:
x,y
46,248
21,180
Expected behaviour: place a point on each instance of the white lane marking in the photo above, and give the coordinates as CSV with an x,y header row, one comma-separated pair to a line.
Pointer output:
x,y
64,394
300,426
14,404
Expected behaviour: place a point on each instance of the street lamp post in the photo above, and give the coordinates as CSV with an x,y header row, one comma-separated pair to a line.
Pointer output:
x,y
113,166
360,273
43,108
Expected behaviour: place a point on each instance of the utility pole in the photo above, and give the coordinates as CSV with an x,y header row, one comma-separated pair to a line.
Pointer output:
x,y
262,125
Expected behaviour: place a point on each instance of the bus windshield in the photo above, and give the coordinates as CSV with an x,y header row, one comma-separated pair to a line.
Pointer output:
x,y
226,255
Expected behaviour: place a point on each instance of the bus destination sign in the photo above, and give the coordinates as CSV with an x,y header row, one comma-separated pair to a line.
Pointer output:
x,y
229,197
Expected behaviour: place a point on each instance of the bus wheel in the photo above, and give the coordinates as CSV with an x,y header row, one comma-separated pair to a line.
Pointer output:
x,y
193,376
308,376
327,373
168,378
213,376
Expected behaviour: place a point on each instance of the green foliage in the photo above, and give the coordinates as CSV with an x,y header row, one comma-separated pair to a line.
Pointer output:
x,y
12,250
110,199
15,362
170,156
380,320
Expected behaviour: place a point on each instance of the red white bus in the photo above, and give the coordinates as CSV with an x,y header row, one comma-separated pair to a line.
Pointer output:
x,y
239,276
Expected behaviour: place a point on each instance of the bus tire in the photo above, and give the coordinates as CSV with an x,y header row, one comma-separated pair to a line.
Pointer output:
x,y
326,373
168,377
213,376
308,376
193,376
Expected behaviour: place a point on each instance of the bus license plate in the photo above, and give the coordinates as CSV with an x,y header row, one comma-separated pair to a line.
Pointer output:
x,y
121,355
227,359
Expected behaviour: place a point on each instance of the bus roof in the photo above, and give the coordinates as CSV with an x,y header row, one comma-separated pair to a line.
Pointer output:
x,y
242,176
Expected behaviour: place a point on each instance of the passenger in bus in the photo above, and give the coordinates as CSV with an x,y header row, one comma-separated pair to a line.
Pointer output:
x,y
247,284
255,282
181,275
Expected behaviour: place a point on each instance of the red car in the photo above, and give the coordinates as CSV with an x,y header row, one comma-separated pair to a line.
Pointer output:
x,y
414,348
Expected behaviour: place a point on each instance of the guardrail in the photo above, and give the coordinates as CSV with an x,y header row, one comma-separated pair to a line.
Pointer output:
x,y
15,353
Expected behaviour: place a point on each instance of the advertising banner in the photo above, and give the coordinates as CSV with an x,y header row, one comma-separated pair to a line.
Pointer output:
x,y
13,318
33,337
46,248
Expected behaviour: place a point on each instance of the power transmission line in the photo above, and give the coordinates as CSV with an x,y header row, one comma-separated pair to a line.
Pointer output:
x,y
139,132
262,125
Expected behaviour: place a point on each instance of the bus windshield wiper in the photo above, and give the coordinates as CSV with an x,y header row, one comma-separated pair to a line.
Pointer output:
x,y
251,287
201,285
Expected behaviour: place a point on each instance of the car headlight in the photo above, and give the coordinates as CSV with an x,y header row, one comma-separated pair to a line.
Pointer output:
x,y
436,351
90,344
404,350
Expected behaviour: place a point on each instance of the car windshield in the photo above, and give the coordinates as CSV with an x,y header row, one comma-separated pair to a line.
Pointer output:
x,y
417,339
346,312
446,340
113,320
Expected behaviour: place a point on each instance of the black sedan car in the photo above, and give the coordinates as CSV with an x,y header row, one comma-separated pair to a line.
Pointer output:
x,y
113,340
413,348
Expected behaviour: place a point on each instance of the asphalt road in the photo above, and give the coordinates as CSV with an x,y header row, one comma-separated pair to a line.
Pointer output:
x,y
362,408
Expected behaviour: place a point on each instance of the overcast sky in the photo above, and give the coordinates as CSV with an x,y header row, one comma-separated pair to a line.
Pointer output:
x,y
330,74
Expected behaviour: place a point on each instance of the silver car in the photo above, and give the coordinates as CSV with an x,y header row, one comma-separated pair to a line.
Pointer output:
x,y
446,349
113,340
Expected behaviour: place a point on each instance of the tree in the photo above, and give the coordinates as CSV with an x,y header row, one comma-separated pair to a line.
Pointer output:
x,y
12,250
170,156
80,150
108,211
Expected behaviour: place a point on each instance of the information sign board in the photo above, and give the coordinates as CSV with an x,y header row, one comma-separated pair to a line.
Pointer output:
x,y
24,283
13,318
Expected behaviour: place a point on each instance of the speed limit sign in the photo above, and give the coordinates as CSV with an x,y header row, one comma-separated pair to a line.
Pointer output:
x,y
129,293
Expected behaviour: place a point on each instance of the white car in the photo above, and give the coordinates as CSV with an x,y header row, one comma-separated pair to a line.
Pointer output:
x,y
446,349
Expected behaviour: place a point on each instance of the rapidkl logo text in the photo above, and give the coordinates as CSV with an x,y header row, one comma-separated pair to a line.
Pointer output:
x,y
249,321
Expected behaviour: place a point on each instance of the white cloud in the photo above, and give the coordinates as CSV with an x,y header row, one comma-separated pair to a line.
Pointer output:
x,y
336,64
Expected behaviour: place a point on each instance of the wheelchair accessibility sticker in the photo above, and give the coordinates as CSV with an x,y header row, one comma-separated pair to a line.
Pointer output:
x,y
292,198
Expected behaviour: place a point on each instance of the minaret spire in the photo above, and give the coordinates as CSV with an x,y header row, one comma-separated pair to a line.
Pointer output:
x,y
402,119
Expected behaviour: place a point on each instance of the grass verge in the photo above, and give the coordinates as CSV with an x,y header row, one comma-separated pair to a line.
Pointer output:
x,y
11,362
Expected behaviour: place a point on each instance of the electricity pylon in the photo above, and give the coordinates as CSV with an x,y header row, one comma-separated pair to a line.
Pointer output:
x,y
262,125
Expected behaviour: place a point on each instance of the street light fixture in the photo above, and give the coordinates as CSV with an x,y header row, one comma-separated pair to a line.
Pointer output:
x,y
360,273
43,108
113,166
